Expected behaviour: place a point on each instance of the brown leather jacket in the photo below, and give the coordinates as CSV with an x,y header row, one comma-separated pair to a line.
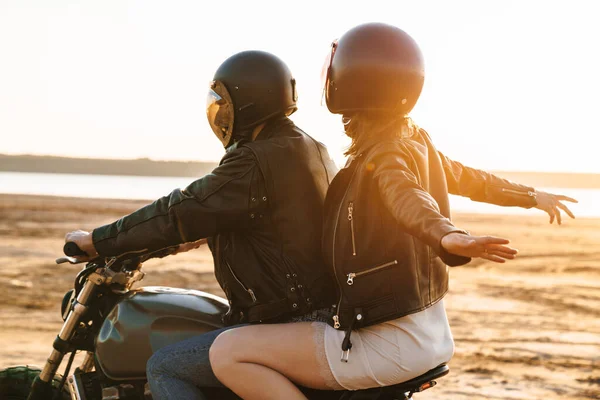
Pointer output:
x,y
385,216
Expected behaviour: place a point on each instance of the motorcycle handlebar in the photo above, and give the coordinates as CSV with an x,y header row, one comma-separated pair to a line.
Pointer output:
x,y
72,250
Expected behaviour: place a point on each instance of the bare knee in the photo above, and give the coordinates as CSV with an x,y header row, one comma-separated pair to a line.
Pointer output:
x,y
222,353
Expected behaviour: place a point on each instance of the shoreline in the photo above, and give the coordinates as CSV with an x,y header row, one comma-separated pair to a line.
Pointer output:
x,y
193,168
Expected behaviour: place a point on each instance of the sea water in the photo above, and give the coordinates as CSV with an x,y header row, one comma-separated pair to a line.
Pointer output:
x,y
154,187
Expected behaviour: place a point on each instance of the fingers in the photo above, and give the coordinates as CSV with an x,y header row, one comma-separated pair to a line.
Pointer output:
x,y
181,249
493,257
507,256
73,235
550,212
502,248
491,248
86,258
565,198
496,250
565,209
185,247
554,207
490,240
69,234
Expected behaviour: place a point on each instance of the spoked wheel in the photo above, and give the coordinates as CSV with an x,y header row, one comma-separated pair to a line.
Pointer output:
x,y
15,383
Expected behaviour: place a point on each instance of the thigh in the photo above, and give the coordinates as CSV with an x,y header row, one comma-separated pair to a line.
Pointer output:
x,y
290,349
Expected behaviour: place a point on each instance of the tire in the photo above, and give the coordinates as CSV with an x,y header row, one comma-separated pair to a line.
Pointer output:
x,y
15,383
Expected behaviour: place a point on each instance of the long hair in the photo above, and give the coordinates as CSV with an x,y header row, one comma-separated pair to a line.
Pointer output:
x,y
366,128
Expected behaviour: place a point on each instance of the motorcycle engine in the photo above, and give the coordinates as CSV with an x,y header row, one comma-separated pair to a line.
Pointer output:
x,y
124,392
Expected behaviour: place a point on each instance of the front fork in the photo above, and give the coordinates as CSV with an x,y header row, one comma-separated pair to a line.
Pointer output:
x,y
42,385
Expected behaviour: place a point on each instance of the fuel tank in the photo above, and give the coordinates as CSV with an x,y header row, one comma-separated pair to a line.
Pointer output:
x,y
149,318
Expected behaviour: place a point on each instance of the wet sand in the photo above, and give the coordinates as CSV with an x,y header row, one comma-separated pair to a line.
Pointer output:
x,y
528,329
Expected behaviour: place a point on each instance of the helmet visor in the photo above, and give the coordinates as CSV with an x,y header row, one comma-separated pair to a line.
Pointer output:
x,y
219,111
326,70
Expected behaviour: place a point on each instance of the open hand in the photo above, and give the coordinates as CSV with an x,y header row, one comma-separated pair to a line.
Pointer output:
x,y
189,246
551,203
84,240
488,247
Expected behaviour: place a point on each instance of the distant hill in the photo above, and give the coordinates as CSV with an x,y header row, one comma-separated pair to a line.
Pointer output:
x,y
147,167
139,167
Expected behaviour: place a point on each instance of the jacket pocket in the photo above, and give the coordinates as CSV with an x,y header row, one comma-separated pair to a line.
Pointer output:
x,y
353,275
351,219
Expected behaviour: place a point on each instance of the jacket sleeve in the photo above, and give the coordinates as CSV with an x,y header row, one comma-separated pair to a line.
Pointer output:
x,y
214,203
485,187
412,206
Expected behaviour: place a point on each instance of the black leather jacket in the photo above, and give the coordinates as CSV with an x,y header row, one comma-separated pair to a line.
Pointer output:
x,y
262,209
385,216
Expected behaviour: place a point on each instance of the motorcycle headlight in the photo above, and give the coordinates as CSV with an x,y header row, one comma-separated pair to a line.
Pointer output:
x,y
66,303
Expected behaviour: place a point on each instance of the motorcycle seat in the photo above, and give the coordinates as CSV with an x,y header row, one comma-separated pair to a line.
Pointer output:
x,y
421,382
415,385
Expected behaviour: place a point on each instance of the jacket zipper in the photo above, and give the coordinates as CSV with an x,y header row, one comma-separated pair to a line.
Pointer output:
x,y
521,193
351,219
336,317
353,275
248,290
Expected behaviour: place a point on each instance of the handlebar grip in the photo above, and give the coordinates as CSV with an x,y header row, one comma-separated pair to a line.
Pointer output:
x,y
72,250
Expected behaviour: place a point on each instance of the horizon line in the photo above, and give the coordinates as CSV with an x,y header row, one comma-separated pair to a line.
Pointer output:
x,y
214,162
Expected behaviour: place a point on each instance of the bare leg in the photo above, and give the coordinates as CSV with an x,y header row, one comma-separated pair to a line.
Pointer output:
x,y
262,361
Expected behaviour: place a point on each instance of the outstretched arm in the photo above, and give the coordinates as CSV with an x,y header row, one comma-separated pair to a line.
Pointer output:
x,y
418,213
485,187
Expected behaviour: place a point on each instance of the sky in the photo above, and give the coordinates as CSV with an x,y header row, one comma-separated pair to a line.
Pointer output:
x,y
510,85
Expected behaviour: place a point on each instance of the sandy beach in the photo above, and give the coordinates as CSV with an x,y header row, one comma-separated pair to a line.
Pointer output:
x,y
528,329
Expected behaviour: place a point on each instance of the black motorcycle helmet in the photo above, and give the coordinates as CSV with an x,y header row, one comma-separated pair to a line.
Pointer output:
x,y
249,88
373,67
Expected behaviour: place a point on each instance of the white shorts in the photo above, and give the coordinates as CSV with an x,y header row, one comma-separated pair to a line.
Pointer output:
x,y
391,352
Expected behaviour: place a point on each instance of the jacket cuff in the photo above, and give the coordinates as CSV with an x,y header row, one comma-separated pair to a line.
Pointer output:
x,y
100,237
449,259
513,195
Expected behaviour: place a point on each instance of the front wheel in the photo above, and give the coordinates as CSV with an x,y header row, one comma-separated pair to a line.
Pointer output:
x,y
15,383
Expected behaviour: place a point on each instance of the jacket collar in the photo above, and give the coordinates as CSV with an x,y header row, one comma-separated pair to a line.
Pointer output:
x,y
272,127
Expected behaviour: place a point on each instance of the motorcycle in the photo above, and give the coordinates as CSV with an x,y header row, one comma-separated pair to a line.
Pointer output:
x,y
118,328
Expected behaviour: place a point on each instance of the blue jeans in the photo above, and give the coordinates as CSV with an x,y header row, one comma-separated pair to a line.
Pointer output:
x,y
178,371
